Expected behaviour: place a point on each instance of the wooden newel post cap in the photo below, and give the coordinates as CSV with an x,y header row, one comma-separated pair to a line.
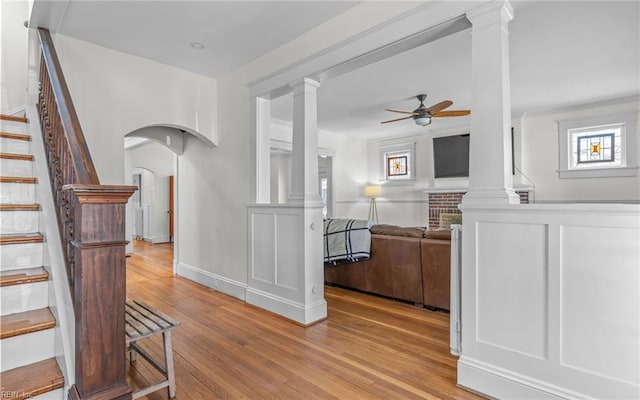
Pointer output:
x,y
101,194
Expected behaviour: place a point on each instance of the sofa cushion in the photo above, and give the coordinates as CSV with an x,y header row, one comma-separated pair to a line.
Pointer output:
x,y
441,235
393,230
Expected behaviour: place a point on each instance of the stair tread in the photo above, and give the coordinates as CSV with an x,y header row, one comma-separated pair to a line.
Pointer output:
x,y
13,238
22,276
15,136
13,118
20,207
33,379
17,179
26,322
16,156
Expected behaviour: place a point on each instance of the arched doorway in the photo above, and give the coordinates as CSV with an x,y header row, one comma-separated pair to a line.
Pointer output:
x,y
152,156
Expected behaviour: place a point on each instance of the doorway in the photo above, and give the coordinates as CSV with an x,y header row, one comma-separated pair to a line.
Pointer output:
x,y
325,183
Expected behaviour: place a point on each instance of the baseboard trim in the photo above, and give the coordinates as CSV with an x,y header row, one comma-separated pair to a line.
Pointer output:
x,y
287,308
499,383
160,239
220,283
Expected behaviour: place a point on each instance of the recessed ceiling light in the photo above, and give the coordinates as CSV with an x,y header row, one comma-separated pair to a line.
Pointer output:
x,y
197,45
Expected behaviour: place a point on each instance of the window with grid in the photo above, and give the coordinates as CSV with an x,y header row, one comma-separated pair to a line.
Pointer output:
x,y
598,147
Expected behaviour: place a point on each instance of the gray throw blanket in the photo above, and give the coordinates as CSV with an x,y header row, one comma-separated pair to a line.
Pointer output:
x,y
346,239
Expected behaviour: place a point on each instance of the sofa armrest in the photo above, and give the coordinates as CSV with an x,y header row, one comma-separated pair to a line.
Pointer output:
x,y
436,272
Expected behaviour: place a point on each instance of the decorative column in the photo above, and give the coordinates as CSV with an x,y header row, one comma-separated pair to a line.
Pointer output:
x,y
305,192
304,162
490,179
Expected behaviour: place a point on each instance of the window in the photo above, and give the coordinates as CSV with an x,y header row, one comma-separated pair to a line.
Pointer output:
x,y
598,147
398,162
397,165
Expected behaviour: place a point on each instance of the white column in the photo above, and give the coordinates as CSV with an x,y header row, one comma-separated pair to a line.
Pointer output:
x,y
490,179
305,193
304,162
263,150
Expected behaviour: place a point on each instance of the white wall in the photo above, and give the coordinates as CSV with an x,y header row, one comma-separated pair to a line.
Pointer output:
x,y
115,93
13,54
160,161
405,203
539,135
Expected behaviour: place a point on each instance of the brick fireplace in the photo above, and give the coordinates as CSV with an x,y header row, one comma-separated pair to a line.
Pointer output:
x,y
447,202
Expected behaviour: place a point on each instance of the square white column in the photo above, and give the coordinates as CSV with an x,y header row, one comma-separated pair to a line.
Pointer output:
x,y
490,179
304,160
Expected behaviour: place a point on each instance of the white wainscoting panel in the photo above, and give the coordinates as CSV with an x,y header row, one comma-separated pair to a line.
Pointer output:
x,y
287,265
599,328
285,271
512,265
263,256
550,301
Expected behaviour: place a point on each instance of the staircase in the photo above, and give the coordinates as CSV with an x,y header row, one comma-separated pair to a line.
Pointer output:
x,y
28,366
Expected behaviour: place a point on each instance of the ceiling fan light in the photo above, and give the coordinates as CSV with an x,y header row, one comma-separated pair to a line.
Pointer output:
x,y
423,120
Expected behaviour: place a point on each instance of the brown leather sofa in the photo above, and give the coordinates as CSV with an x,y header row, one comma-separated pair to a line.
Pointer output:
x,y
406,263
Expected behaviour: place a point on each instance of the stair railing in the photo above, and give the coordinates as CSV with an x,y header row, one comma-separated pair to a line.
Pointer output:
x,y
91,219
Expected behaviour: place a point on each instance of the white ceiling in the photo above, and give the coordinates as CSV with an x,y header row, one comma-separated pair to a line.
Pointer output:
x,y
562,54
233,32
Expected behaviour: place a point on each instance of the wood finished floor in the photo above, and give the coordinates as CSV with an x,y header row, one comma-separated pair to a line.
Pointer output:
x,y
368,348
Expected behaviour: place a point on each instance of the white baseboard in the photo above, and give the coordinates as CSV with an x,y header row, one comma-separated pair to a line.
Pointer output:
x,y
287,308
160,239
500,383
19,111
213,281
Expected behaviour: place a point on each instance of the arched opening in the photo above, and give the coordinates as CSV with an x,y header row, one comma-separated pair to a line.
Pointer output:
x,y
152,157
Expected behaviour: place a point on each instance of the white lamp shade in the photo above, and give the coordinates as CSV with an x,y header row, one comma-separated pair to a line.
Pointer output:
x,y
373,191
423,121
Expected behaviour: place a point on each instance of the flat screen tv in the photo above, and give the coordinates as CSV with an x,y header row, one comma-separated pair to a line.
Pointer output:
x,y
451,156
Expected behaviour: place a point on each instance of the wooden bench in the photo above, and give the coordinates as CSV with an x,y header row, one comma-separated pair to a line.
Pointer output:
x,y
141,322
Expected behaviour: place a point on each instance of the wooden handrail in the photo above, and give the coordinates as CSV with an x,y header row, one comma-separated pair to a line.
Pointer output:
x,y
83,165
91,220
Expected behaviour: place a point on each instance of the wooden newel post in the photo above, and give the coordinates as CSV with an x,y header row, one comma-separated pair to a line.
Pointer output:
x,y
97,214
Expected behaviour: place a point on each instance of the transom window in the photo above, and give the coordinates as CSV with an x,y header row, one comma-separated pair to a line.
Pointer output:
x,y
397,164
598,147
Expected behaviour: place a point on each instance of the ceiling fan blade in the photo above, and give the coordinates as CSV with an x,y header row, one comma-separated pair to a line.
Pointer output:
x,y
452,113
394,120
440,106
402,112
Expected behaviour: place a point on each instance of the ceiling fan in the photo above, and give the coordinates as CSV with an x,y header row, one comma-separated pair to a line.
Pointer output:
x,y
422,115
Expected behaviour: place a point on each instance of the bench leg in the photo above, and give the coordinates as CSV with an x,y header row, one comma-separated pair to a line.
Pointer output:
x,y
168,362
132,352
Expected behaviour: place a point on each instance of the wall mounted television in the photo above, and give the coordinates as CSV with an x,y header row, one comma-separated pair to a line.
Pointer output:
x,y
451,156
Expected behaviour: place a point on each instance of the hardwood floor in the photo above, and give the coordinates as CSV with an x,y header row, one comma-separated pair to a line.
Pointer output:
x,y
368,348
